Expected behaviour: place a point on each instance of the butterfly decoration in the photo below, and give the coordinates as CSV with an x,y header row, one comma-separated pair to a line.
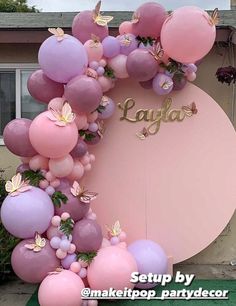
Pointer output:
x,y
143,134
62,117
135,18
38,245
58,32
166,84
157,52
115,230
104,101
126,40
101,128
99,19
84,196
190,110
95,41
16,185
214,18
91,73
57,271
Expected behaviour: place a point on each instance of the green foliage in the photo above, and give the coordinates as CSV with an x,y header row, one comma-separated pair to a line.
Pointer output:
x,y
67,226
100,109
3,192
58,198
86,257
86,135
34,177
109,72
19,6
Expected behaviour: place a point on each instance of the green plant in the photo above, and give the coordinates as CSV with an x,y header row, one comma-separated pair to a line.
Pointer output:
x,y
86,257
67,226
34,177
58,198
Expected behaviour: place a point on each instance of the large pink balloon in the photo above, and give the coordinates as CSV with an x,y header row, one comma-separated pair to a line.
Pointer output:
x,y
61,167
60,289
150,16
62,60
111,268
83,26
51,140
16,137
42,88
33,267
84,94
187,35
118,64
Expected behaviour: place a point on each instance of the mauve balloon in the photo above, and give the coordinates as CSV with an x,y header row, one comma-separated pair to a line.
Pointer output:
x,y
73,206
68,260
64,183
146,84
16,137
179,82
87,236
141,65
80,149
42,88
83,26
94,140
22,168
84,94
33,267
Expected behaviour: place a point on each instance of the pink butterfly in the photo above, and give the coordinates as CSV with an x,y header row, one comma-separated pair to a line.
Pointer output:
x,y
85,196
62,117
16,185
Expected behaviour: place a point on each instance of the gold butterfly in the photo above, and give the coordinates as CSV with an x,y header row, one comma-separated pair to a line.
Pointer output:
x,y
135,17
58,32
214,18
16,185
126,40
101,128
166,84
38,245
84,196
190,110
143,134
157,52
98,18
105,101
115,230
63,117
57,271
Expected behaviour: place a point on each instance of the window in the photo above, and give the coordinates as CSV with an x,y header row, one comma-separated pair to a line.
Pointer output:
x,y
15,100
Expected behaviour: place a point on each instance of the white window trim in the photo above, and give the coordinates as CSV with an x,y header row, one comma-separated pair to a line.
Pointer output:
x,y
17,67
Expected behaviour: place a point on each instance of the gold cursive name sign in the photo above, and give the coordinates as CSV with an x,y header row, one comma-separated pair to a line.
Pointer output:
x,y
155,116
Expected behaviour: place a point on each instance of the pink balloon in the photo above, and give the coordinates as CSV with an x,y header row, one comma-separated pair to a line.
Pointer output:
x,y
150,18
77,172
83,26
105,83
80,121
118,64
94,50
191,76
33,267
38,162
111,268
60,289
56,103
51,140
42,88
61,167
125,27
187,35
53,232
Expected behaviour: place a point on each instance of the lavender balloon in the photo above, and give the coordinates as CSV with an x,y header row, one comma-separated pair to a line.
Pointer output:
x,y
68,260
28,212
150,258
128,43
33,267
84,94
87,236
64,183
162,84
80,149
62,60
111,47
22,168
109,109
141,65
16,137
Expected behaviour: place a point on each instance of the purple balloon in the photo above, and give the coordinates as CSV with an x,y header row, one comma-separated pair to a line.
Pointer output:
x,y
33,267
108,110
62,60
42,88
191,68
16,137
84,26
27,213
146,84
73,206
22,168
87,236
64,183
68,260
84,94
111,47
128,43
141,65
80,149
162,84
150,258
179,82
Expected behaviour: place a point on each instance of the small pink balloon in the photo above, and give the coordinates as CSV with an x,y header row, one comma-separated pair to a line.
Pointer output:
x,y
43,184
118,64
85,160
83,263
53,232
103,62
83,272
191,76
72,248
61,167
122,236
65,216
25,160
105,83
125,27
92,158
55,183
38,162
80,121
94,50
92,117
75,267
77,172
61,254
105,243
56,103
49,176
56,220
87,167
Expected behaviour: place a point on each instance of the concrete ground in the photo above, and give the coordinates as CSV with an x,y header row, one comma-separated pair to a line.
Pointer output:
x,y
15,292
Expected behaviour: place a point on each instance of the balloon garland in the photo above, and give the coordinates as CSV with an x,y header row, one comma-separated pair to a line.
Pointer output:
x,y
63,246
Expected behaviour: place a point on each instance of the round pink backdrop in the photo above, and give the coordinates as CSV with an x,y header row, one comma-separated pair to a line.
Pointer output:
x,y
176,187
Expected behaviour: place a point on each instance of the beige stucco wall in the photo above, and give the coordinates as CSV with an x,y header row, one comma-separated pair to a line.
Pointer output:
x,y
223,249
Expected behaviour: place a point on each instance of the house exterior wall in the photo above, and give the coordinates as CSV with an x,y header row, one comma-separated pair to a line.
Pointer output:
x,y
223,249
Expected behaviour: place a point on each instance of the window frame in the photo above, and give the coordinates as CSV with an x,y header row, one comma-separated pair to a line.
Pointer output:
x,y
17,67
